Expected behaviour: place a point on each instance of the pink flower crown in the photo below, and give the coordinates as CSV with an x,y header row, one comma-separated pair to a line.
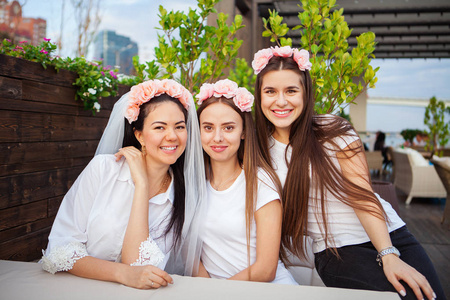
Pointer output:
x,y
263,56
145,91
242,98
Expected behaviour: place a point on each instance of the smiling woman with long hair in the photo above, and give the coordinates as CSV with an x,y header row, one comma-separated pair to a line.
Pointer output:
x,y
127,216
357,236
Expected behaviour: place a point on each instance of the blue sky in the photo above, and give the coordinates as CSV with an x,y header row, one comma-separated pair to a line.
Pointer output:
x,y
404,78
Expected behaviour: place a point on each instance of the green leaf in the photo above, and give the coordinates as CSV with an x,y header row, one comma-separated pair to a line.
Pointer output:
x,y
105,94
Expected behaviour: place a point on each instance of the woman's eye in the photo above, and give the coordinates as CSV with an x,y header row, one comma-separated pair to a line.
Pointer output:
x,y
159,128
181,127
292,91
269,91
207,128
229,128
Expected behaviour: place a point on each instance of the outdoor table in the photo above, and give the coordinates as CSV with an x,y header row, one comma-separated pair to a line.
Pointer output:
x,y
27,280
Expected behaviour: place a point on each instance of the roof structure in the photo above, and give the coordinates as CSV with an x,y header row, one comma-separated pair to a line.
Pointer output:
x,y
403,28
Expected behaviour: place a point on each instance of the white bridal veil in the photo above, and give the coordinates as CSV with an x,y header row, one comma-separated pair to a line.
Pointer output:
x,y
185,259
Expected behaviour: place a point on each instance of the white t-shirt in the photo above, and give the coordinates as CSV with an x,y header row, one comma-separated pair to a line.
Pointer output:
x,y
343,224
94,214
224,251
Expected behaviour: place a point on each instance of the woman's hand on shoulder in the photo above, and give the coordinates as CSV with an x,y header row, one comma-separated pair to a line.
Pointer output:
x,y
136,161
396,269
145,277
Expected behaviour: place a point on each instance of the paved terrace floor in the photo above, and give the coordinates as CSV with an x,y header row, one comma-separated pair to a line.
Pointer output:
x,y
423,218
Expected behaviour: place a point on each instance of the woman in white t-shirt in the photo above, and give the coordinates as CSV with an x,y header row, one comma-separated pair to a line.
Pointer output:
x,y
327,192
242,227
126,217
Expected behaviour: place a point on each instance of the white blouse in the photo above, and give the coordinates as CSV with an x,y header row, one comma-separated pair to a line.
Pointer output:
x,y
94,214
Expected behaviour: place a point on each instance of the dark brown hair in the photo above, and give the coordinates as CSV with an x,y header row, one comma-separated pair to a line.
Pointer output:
x,y
129,139
311,138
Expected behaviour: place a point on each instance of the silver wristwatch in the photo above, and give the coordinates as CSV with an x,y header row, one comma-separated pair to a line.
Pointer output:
x,y
386,251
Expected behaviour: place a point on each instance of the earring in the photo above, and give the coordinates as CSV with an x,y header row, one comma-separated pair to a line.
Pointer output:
x,y
144,150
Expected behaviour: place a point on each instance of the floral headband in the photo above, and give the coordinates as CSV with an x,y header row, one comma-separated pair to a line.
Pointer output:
x,y
145,91
242,98
263,56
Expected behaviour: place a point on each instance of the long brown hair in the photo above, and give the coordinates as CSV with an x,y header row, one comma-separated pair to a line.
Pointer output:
x,y
249,158
311,138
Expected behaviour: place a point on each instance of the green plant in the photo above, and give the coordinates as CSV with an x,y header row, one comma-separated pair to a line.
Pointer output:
x,y
341,113
409,134
438,130
190,50
243,75
40,54
94,81
324,34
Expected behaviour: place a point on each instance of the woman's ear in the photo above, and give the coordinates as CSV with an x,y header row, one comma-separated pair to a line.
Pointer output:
x,y
138,135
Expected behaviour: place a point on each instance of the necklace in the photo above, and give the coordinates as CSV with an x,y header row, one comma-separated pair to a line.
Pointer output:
x,y
163,185
233,176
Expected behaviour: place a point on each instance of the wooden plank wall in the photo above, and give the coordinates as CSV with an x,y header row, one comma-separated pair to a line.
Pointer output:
x,y
46,139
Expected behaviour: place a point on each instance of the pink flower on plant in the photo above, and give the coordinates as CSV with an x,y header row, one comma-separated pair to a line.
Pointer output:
x,y
112,74
43,51
103,73
285,51
206,92
261,59
225,88
302,59
47,40
17,47
22,42
244,99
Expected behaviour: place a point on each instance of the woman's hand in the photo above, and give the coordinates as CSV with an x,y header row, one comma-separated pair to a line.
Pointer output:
x,y
136,161
146,277
395,269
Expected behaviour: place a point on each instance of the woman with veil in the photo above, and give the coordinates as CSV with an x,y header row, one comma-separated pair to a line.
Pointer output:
x,y
129,216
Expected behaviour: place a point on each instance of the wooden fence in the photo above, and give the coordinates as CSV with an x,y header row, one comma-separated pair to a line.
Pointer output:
x,y
46,139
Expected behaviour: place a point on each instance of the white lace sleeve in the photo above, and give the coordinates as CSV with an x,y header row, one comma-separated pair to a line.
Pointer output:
x,y
63,258
149,254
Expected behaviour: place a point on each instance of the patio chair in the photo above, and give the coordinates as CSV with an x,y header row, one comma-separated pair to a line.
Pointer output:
x,y
386,190
390,157
375,161
415,176
443,169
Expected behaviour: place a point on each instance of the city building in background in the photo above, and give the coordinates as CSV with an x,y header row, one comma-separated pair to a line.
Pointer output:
x,y
115,50
18,28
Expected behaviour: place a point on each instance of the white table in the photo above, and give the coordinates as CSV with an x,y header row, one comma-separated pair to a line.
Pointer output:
x,y
26,280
